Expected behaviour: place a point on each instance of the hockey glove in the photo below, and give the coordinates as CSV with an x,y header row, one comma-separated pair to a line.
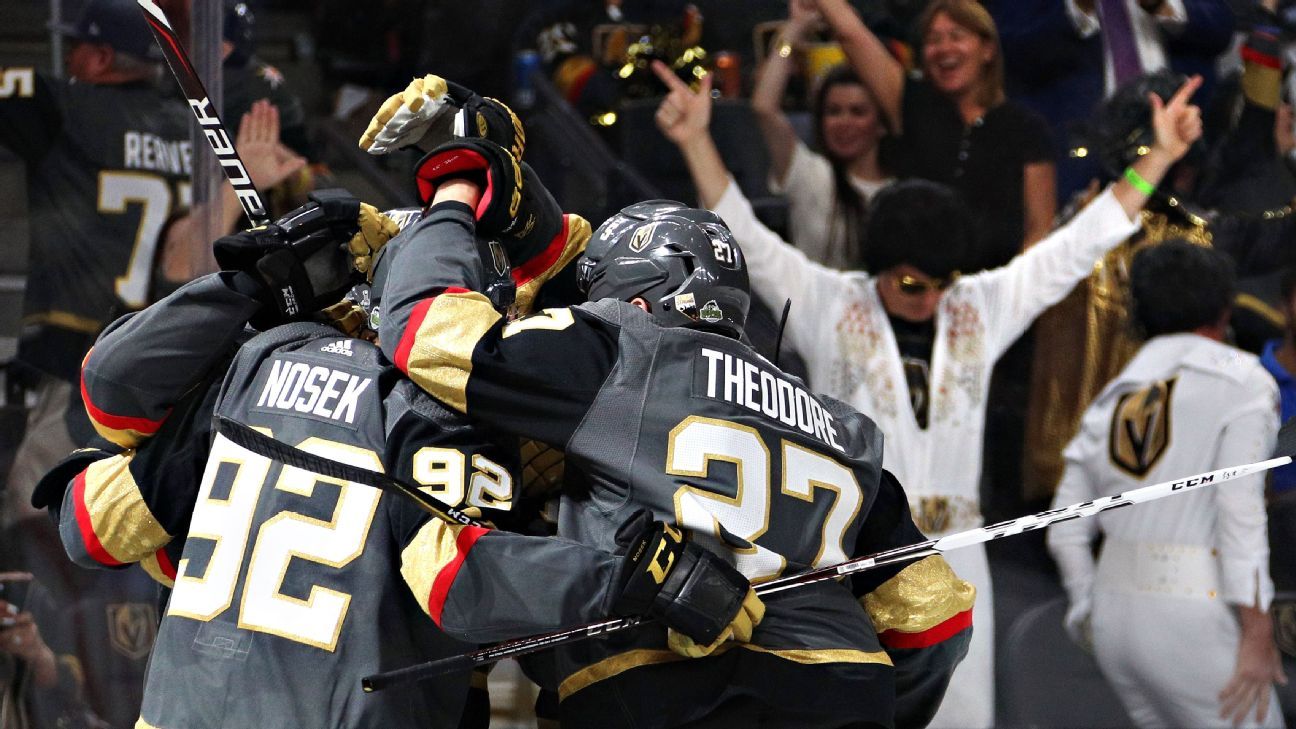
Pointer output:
x,y
515,208
494,169
543,241
309,258
432,111
703,600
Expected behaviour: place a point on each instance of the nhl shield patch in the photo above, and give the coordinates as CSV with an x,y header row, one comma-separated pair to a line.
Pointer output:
x,y
132,627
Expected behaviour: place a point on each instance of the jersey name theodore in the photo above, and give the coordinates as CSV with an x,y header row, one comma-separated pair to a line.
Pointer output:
x,y
738,381
145,151
321,391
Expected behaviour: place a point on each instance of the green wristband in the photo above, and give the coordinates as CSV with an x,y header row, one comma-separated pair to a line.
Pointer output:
x,y
1140,184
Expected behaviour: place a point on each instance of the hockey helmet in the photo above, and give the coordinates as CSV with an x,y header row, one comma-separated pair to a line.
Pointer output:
x,y
683,261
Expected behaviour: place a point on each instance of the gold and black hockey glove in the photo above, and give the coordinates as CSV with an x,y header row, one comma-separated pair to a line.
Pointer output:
x,y
703,600
310,257
432,111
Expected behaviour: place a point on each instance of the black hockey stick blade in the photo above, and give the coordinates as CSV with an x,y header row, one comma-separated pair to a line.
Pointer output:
x,y
276,450
208,117
957,540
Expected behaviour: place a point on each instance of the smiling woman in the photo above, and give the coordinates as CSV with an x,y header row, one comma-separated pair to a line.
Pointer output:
x,y
829,187
954,125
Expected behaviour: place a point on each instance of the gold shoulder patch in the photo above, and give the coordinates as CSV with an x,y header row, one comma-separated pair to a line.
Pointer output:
x,y
1140,428
920,597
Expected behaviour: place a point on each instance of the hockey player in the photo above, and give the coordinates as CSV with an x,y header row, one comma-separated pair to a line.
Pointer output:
x,y
659,406
289,586
1176,609
910,342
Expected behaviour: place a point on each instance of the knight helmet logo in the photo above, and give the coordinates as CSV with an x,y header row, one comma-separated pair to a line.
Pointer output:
x,y
132,626
640,239
1140,428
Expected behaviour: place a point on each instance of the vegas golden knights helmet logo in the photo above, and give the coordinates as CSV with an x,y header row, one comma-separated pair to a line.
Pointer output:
x,y
642,237
1140,428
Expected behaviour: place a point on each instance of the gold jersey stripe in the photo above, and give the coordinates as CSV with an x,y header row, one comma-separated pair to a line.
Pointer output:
x,y
922,596
578,234
121,520
622,662
154,570
440,359
432,549
126,438
65,320
141,724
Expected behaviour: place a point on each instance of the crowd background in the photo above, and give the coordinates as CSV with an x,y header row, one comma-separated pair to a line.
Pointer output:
x,y
1017,104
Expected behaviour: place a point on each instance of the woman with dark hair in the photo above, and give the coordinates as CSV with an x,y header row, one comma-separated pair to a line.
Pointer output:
x,y
828,190
954,125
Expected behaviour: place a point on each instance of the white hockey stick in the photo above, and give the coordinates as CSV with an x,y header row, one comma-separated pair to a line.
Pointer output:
x,y
958,540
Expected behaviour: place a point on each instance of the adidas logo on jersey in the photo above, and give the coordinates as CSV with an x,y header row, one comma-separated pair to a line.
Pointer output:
x,y
341,346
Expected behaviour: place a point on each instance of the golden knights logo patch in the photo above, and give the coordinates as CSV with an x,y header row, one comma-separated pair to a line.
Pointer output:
x,y
1140,428
640,239
132,627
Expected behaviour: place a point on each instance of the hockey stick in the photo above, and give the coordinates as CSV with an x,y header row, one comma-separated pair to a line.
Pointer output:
x,y
264,445
208,118
511,649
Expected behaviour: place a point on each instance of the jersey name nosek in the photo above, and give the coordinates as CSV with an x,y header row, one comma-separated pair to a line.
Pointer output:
x,y
313,389
744,383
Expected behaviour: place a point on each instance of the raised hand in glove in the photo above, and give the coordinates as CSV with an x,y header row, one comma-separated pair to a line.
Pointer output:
x,y
432,111
309,258
703,600
514,207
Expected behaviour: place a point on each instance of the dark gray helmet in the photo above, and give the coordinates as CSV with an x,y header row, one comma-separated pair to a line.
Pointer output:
x,y
682,260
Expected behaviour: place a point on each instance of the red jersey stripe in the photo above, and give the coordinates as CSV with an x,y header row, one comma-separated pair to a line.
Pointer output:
x,y
410,335
91,541
144,426
464,541
933,635
164,562
541,263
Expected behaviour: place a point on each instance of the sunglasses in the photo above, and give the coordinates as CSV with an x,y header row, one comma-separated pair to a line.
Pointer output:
x,y
911,286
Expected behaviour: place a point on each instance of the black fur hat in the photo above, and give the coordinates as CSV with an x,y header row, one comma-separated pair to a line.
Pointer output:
x,y
1122,128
